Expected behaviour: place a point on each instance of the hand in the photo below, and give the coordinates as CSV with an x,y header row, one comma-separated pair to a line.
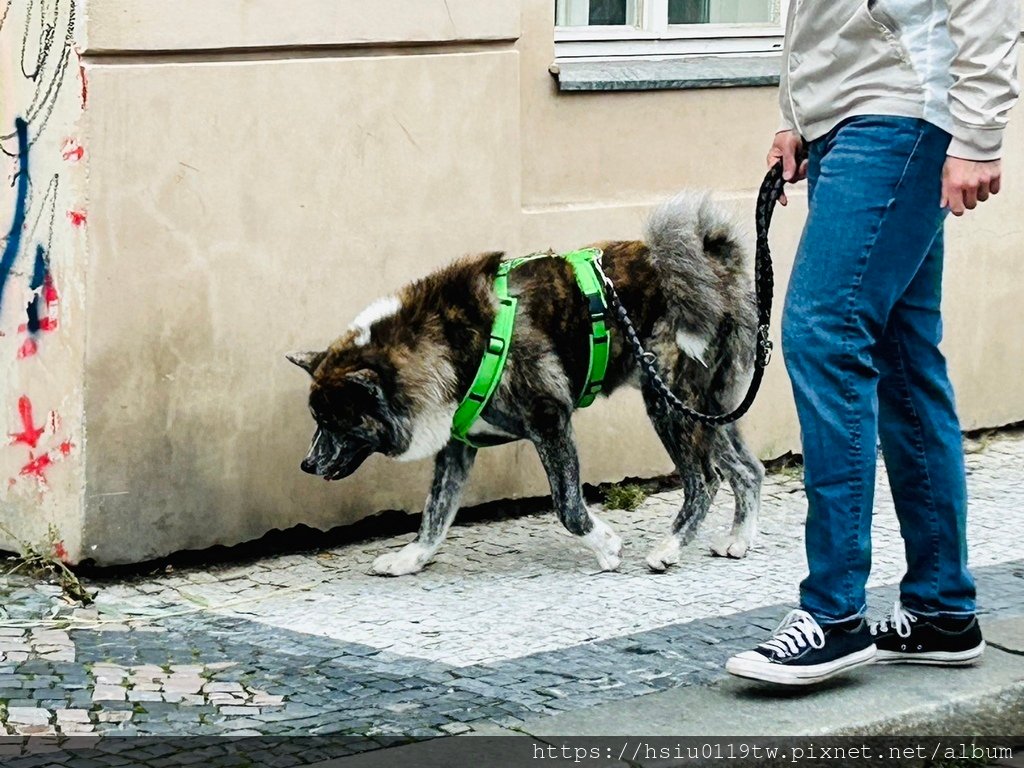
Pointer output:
x,y
787,147
965,183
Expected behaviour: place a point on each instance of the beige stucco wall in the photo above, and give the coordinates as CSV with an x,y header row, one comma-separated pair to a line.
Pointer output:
x,y
259,171
196,25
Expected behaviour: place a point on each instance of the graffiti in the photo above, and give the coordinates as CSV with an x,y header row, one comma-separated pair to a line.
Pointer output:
x,y
37,40
12,246
30,434
72,151
41,282
47,44
38,465
44,296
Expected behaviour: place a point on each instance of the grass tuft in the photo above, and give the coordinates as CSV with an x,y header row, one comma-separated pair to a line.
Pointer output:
x,y
628,496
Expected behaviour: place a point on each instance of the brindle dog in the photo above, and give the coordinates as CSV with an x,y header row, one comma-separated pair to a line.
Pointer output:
x,y
392,382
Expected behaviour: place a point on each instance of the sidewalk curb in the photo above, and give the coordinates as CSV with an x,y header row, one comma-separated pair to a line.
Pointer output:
x,y
875,700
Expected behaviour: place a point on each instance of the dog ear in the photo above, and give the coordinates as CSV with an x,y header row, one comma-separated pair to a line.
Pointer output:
x,y
307,361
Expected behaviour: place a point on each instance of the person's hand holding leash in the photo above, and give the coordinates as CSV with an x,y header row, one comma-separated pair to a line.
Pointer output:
x,y
788,147
965,183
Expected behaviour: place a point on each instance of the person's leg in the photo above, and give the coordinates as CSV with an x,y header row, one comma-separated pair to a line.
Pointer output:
x,y
920,434
873,215
874,212
923,450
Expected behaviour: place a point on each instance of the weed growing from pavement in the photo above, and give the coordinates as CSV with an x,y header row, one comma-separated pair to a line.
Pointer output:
x,y
979,442
45,561
624,496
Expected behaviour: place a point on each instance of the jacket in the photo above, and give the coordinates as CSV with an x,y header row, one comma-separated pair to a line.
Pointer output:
x,y
950,62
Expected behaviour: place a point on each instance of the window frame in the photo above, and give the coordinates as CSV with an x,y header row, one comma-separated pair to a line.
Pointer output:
x,y
654,37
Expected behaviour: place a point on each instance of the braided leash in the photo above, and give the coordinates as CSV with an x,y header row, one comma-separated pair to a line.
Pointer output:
x,y
764,285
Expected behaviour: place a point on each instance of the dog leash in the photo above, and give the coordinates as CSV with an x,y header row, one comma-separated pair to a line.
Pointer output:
x,y
764,285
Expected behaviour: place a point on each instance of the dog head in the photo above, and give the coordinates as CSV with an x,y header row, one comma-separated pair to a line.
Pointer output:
x,y
351,406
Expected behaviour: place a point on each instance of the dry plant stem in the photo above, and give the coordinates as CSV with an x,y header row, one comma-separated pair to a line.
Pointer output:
x,y
40,559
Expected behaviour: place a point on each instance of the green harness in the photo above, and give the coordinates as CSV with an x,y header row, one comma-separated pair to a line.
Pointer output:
x,y
585,265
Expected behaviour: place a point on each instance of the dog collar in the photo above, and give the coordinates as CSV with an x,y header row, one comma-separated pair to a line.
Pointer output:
x,y
585,265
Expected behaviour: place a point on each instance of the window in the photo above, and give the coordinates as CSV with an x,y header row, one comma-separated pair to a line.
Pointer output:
x,y
609,29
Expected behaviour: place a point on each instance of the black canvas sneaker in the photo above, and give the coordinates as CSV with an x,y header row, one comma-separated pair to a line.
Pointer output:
x,y
906,638
800,652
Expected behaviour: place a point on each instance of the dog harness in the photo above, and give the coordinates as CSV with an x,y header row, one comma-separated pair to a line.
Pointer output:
x,y
585,266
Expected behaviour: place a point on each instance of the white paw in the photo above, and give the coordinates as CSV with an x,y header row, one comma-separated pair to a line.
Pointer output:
x,y
409,559
734,545
665,554
605,543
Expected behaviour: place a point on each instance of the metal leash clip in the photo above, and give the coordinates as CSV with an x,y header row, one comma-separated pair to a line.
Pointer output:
x,y
765,345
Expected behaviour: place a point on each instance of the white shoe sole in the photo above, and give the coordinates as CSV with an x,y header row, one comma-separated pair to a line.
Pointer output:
x,y
784,674
938,658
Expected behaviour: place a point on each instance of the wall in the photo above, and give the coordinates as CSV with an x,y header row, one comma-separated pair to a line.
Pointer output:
x,y
259,171
42,223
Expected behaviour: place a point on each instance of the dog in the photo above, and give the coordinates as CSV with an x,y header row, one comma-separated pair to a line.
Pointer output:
x,y
391,383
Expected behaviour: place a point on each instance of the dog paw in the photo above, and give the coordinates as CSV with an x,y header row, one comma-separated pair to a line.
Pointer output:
x,y
409,559
733,546
664,555
605,544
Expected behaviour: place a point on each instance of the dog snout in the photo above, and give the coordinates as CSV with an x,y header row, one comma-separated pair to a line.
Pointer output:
x,y
311,464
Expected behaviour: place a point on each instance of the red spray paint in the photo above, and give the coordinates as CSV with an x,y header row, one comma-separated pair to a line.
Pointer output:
x,y
85,81
37,467
30,434
28,348
72,151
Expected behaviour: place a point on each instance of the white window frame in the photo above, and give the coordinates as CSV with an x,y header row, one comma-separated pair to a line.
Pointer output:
x,y
651,36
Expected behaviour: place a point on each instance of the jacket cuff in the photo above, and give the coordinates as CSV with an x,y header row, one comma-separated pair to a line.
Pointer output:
x,y
978,144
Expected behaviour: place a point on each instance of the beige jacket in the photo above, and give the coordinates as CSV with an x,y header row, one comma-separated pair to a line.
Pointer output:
x,y
950,62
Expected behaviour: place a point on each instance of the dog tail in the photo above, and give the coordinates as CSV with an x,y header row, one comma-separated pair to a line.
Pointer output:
x,y
703,268
690,229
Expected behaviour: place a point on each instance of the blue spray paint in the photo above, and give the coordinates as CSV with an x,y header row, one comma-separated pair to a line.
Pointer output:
x,y
13,244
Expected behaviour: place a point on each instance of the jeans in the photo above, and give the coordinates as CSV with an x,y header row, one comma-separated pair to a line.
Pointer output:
x,y
860,333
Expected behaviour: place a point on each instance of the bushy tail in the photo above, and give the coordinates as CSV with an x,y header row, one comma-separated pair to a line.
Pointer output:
x,y
706,276
692,228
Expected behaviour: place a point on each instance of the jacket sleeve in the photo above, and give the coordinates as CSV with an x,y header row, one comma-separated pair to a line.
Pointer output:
x,y
985,85
787,120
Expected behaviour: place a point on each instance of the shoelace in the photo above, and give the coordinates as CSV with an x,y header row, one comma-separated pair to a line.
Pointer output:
x,y
899,619
796,632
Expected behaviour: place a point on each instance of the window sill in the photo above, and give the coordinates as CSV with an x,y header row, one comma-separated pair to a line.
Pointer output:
x,y
668,74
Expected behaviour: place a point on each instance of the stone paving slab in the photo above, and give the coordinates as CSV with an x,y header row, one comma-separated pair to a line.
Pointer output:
x,y
510,625
500,590
1007,635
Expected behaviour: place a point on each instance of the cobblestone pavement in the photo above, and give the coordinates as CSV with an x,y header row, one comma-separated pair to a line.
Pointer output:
x,y
510,621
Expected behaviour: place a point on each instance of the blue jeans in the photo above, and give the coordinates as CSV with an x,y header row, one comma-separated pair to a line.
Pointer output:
x,y
860,334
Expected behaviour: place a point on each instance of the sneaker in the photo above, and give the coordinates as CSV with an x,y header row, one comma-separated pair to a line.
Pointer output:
x,y
903,637
800,652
